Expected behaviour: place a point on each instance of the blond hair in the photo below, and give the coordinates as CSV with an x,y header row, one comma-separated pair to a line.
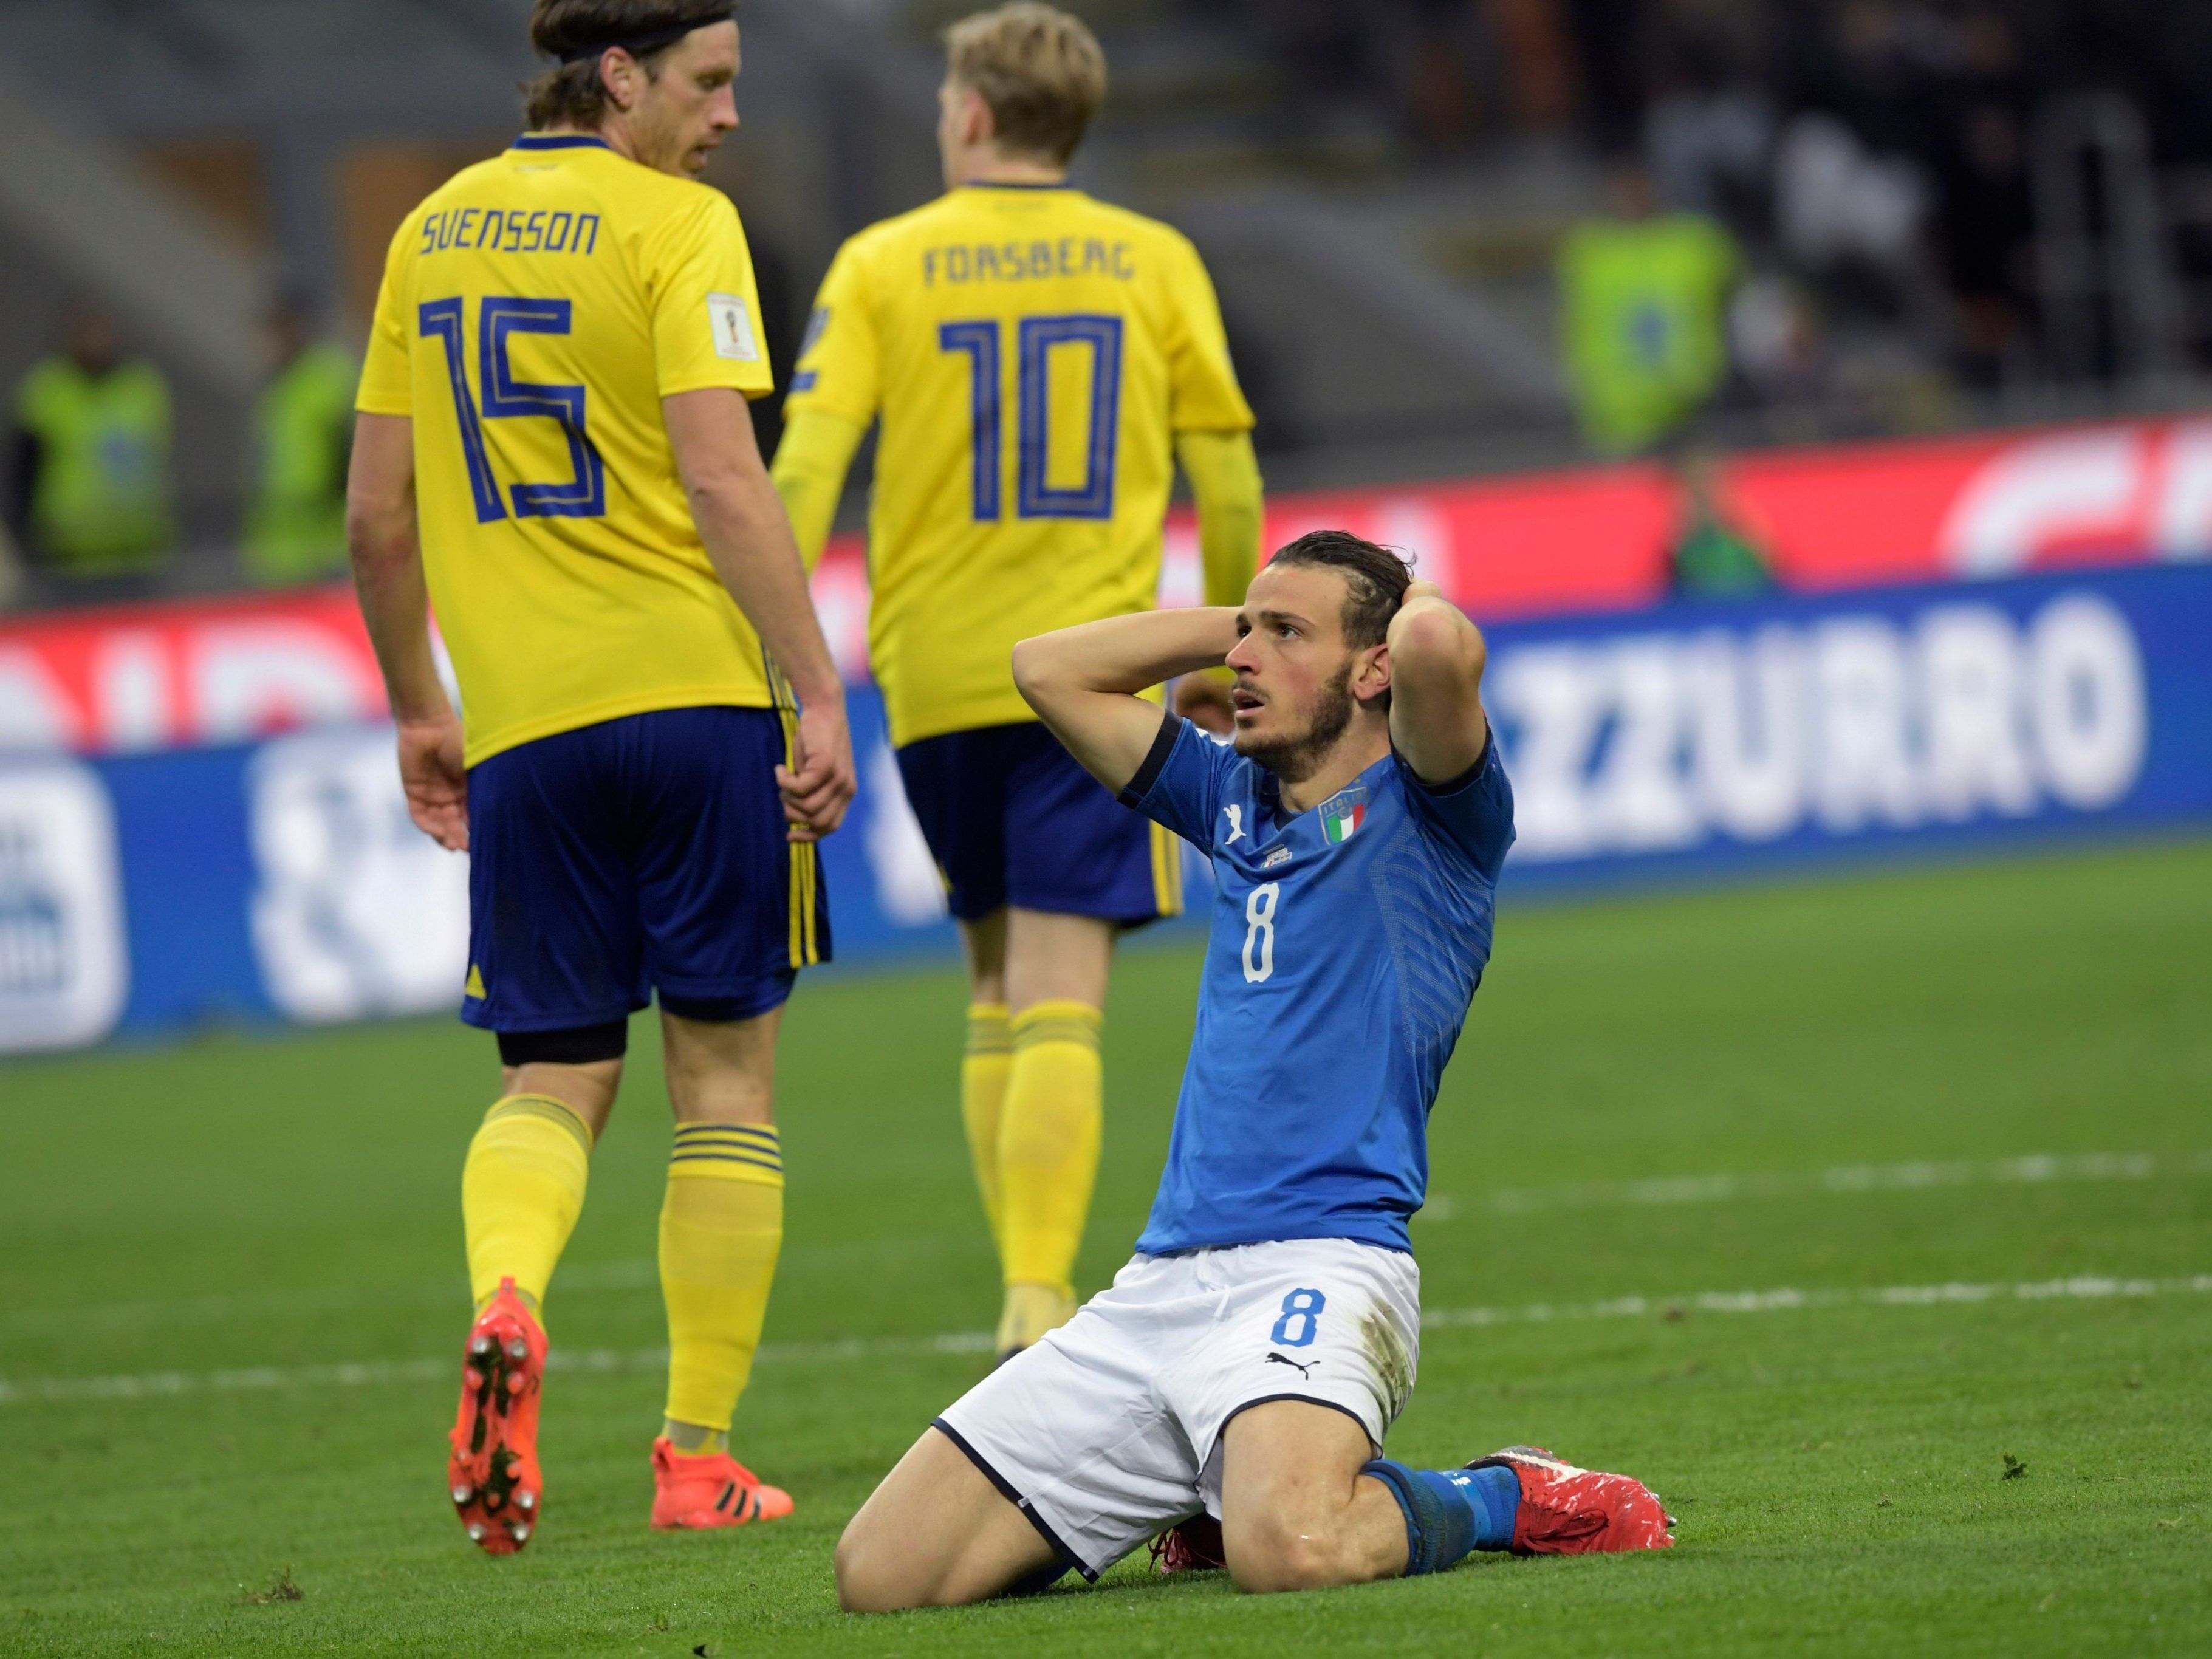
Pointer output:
x,y
1039,72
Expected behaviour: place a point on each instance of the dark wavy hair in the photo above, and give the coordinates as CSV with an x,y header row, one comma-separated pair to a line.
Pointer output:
x,y
1376,578
572,94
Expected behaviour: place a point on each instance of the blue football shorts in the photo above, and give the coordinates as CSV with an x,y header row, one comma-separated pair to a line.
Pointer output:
x,y
641,854
1010,818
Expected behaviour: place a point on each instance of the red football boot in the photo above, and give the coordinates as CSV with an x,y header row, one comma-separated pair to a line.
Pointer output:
x,y
1192,1546
1566,1511
710,1489
493,1471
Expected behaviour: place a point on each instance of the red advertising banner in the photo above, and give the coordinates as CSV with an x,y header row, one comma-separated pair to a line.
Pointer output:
x,y
187,671
1827,519
1591,540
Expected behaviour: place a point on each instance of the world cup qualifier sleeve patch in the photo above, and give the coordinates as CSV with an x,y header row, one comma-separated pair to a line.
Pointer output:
x,y
732,327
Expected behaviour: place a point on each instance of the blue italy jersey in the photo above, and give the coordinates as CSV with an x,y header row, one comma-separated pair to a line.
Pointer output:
x,y
1346,946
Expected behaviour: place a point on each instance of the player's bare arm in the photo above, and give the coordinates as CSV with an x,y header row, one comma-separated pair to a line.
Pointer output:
x,y
748,536
395,603
1083,682
1437,658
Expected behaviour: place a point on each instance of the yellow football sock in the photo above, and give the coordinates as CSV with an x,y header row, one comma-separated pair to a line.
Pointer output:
x,y
721,1228
983,1071
1048,1140
522,1189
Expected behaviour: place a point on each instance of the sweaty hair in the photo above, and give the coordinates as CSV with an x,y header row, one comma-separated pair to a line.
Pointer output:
x,y
575,32
1039,72
1375,579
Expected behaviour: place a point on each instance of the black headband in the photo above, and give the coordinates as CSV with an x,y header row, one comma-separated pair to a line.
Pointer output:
x,y
637,45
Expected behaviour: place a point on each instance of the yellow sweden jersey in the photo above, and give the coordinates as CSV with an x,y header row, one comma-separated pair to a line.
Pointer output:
x,y
534,312
1032,352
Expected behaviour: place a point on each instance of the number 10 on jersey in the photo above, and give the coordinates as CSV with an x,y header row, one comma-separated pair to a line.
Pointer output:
x,y
1036,339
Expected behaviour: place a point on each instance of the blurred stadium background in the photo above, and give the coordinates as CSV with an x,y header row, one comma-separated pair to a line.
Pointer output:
x,y
1697,346
1922,215
1813,401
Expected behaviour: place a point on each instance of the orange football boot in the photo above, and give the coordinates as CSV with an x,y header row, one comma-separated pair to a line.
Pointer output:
x,y
710,1489
493,1471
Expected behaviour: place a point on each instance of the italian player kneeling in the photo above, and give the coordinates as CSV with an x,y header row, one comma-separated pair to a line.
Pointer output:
x,y
1235,1385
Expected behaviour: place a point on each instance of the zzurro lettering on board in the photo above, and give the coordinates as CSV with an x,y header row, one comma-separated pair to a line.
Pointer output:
x,y
1851,723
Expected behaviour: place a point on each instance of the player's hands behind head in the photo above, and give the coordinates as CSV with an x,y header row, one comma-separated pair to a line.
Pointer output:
x,y
818,786
433,772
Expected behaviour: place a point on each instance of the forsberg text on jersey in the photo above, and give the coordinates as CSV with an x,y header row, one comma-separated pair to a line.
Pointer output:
x,y
1018,262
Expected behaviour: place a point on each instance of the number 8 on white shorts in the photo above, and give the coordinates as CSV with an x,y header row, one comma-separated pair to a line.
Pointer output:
x,y
1301,1319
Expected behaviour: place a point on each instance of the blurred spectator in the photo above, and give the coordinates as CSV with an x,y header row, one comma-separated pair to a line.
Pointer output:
x,y
1709,134
1611,44
1774,336
1713,556
1534,45
11,571
1985,220
303,443
1875,75
1644,300
1841,210
1328,54
92,488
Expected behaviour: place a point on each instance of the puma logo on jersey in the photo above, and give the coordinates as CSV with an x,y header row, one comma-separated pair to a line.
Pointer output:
x,y
1236,825
1301,1370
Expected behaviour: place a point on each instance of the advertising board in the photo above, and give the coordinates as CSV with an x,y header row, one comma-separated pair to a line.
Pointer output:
x,y
129,681
1703,736
281,879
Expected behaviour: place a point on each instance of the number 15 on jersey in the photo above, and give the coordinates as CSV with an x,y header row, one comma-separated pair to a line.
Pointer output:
x,y
583,494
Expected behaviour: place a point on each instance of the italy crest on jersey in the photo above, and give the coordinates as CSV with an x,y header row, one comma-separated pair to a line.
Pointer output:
x,y
1342,814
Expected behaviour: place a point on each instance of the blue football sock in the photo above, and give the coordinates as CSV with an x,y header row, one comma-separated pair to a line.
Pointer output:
x,y
1450,1512
1492,1495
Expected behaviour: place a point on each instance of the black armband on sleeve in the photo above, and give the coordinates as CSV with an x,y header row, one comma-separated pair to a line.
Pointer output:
x,y
1156,757
1453,786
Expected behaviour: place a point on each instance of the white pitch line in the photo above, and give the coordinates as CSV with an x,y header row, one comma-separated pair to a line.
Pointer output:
x,y
40,1390
254,1379
1442,1207
216,1308
1851,1178
2079,1288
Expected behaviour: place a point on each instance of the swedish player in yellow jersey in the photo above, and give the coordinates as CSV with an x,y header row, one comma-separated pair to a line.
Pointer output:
x,y
554,454
1039,360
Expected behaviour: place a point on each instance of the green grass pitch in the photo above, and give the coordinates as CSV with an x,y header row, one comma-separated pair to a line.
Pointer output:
x,y
1735,1190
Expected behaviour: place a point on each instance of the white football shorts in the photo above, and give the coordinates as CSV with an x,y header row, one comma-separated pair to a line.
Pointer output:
x,y
1110,1429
